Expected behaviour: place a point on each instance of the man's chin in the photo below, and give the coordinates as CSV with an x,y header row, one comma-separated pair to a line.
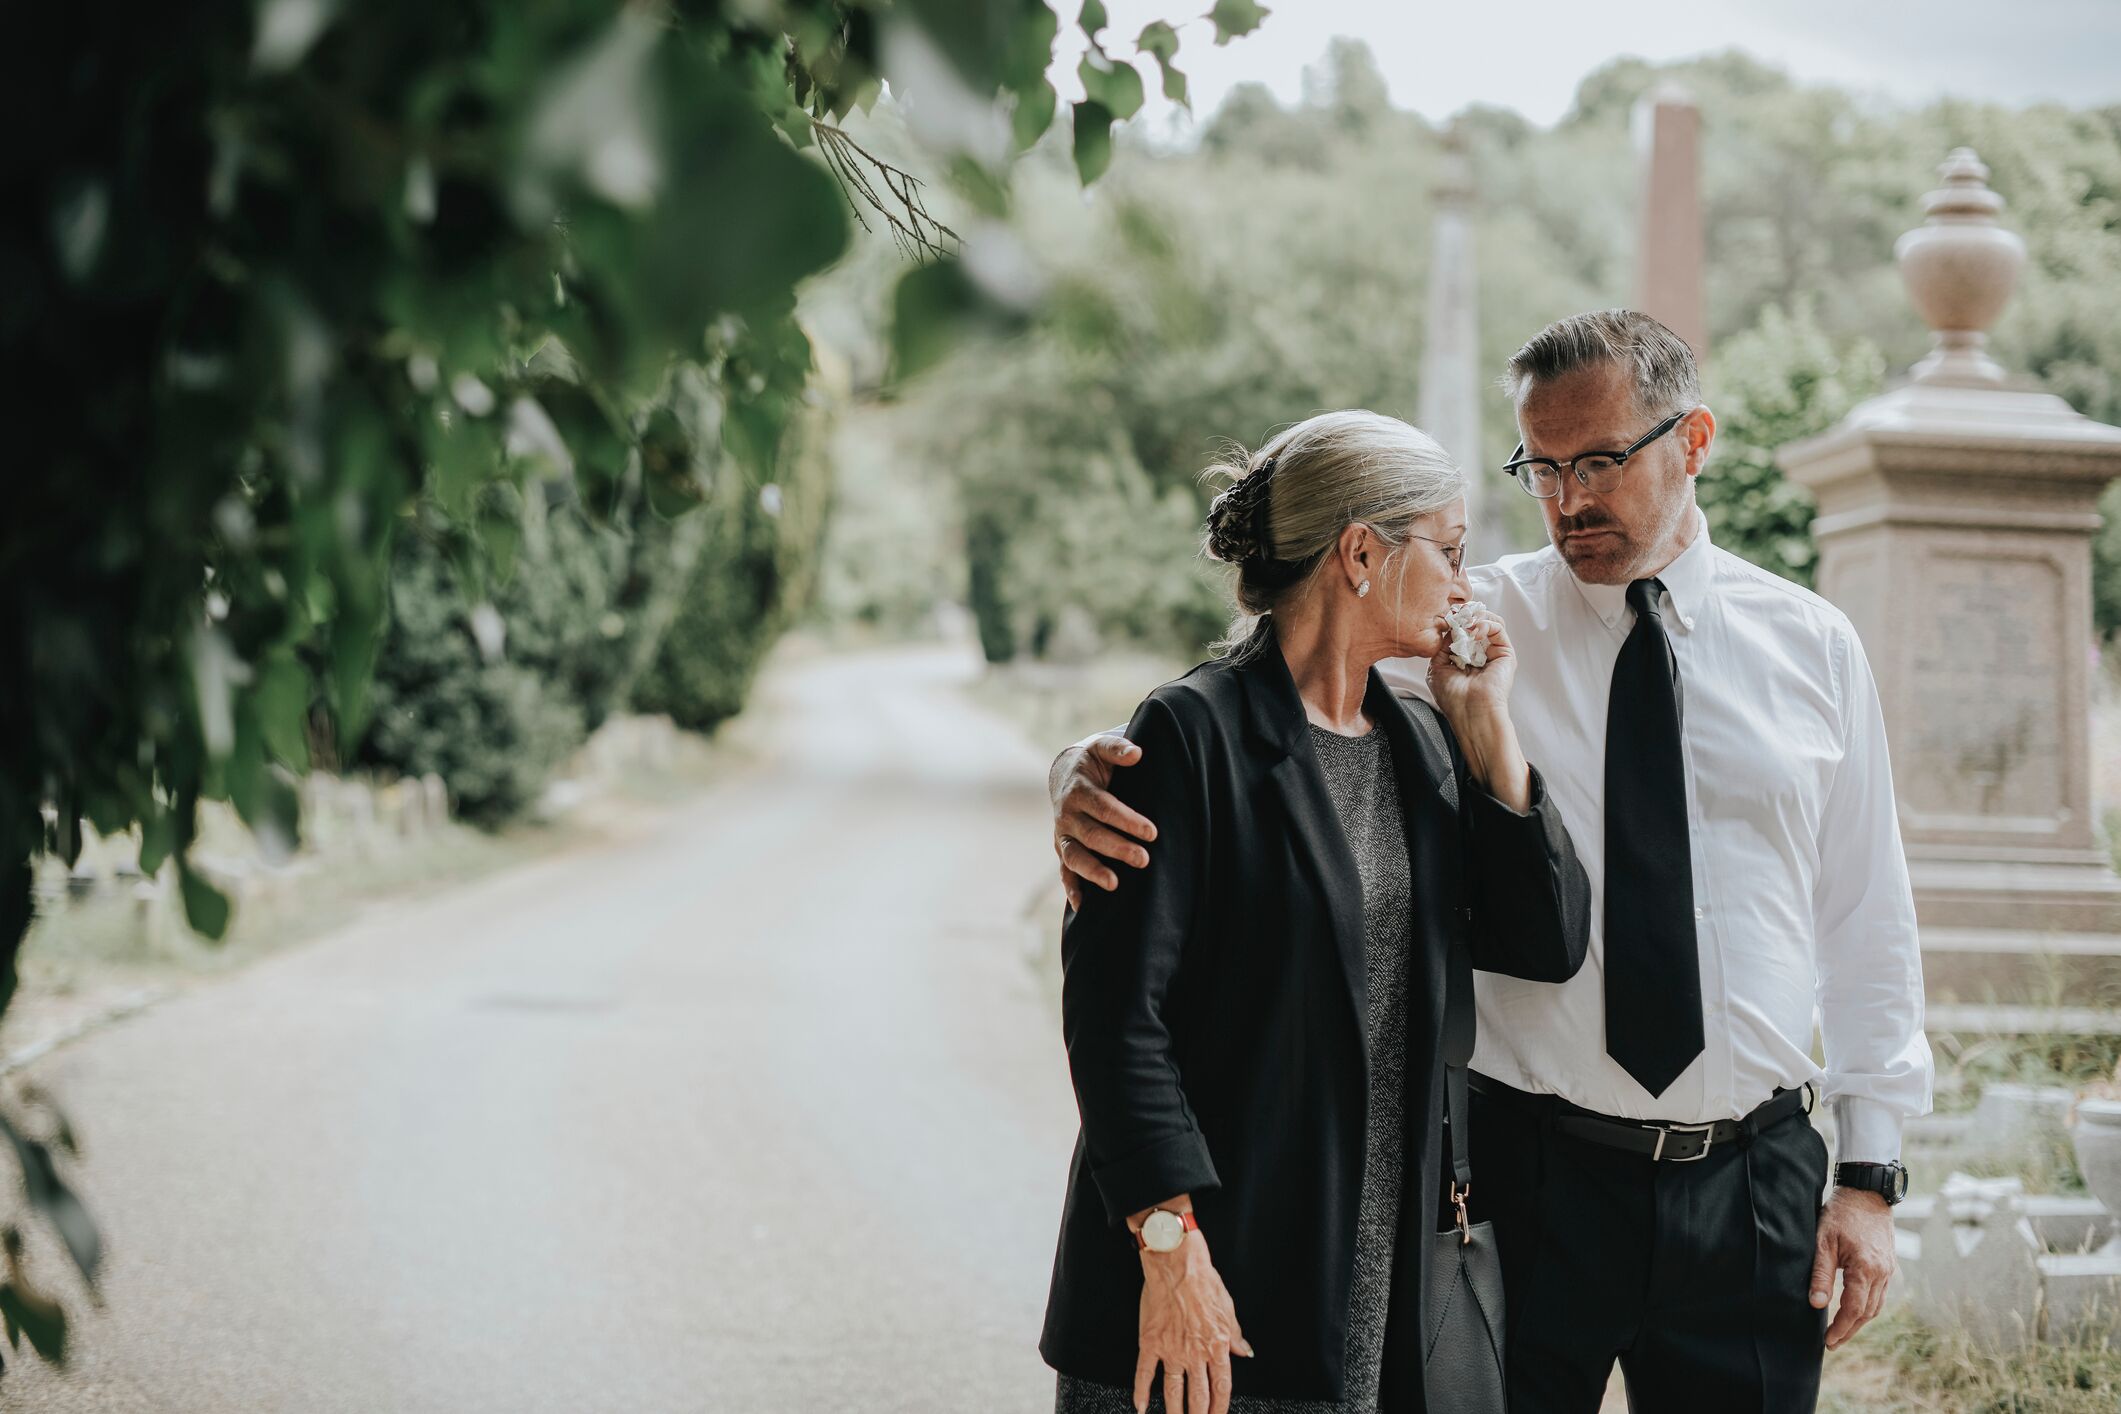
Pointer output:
x,y
1598,559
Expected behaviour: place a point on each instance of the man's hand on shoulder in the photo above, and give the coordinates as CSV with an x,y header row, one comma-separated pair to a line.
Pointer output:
x,y
1091,828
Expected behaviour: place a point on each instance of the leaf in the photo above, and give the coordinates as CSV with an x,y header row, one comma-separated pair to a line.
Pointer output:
x,y
205,907
281,700
501,533
158,834
929,306
1093,140
667,466
1092,19
1114,84
38,1317
1030,51
1034,114
1236,18
49,1195
1160,42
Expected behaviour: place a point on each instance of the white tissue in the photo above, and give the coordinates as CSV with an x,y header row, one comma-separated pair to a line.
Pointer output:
x,y
1466,650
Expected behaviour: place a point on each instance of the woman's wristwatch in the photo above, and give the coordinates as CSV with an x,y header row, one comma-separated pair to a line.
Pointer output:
x,y
1164,1230
1888,1181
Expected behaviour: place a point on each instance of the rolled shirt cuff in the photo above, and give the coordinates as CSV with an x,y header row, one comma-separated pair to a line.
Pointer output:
x,y
1865,1131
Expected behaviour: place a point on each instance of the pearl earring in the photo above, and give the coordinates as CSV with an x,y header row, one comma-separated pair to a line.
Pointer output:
x,y
1362,591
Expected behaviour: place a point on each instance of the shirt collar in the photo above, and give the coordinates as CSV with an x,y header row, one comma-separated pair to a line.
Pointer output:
x,y
1686,584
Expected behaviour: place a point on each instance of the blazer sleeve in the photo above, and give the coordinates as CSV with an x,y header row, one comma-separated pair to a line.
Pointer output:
x,y
1119,955
1529,897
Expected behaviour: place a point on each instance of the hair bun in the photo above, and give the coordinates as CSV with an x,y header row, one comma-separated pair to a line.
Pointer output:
x,y
1237,516
1230,537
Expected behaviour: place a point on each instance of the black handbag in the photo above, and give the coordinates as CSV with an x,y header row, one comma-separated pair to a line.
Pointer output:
x,y
1462,1343
1462,1362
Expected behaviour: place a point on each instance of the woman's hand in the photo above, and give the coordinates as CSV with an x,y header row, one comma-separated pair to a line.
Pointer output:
x,y
1189,1326
1476,702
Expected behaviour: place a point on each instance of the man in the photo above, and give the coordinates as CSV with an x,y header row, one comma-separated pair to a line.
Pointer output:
x,y
1712,737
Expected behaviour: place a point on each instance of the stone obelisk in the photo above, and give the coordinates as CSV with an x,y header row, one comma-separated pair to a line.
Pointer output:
x,y
1956,514
1450,358
1670,279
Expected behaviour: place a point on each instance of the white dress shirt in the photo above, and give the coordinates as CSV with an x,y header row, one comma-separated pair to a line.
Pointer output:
x,y
1804,910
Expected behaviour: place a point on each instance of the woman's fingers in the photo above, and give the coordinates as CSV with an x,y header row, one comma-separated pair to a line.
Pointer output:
x,y
1219,1380
1200,1394
1174,1389
1144,1380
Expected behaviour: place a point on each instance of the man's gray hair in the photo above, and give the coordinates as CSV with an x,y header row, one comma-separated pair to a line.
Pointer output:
x,y
1665,376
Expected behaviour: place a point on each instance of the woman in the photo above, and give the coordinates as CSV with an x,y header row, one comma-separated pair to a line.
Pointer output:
x,y
1254,1022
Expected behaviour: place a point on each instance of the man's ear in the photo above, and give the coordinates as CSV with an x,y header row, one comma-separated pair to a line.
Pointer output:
x,y
1699,429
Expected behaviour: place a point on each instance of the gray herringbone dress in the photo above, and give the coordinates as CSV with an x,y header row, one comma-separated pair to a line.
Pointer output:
x,y
1365,792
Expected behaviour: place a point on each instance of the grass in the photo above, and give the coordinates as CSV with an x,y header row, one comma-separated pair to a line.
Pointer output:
x,y
1900,1366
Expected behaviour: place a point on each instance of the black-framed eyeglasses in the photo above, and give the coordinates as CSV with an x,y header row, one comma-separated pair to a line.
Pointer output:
x,y
1454,552
1595,471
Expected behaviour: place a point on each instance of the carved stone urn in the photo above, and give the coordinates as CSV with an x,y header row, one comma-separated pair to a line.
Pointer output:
x,y
1960,268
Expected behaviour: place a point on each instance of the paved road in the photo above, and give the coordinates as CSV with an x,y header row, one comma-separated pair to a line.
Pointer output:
x,y
762,1112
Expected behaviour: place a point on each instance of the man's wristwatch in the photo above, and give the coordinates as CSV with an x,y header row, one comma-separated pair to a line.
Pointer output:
x,y
1165,1231
1888,1181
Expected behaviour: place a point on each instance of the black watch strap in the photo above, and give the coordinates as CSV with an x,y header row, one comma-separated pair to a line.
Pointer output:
x,y
1888,1181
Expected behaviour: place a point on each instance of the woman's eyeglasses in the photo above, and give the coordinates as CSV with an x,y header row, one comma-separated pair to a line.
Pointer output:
x,y
1454,555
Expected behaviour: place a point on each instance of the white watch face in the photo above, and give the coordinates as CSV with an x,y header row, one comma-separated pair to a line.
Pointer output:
x,y
1163,1231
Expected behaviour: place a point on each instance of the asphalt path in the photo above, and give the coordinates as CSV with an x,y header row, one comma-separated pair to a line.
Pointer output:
x,y
759,1109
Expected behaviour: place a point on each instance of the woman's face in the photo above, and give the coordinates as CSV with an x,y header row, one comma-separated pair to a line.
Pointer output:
x,y
1420,582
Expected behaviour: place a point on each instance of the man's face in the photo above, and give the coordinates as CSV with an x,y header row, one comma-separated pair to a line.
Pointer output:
x,y
1636,528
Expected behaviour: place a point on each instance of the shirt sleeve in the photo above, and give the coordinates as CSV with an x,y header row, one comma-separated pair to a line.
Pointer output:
x,y
1878,1065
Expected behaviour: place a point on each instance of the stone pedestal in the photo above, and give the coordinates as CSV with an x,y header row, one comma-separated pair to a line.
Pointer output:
x,y
1670,260
1955,522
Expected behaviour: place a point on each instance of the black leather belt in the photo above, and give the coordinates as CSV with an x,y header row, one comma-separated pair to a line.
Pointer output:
x,y
1653,1139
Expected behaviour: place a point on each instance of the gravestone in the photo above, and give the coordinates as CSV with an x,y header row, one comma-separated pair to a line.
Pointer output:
x,y
1955,521
1670,260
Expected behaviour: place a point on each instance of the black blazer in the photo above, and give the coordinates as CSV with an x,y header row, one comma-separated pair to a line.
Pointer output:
x,y
1213,1012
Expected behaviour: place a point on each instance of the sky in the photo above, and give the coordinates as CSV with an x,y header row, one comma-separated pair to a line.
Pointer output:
x,y
1531,54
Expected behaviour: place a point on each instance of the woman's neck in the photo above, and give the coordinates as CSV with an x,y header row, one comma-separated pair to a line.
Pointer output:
x,y
1331,669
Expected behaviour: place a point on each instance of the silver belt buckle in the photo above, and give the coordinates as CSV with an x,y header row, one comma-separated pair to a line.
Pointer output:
x,y
1666,1131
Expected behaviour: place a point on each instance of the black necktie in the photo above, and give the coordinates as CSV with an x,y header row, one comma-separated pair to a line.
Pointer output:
x,y
1652,974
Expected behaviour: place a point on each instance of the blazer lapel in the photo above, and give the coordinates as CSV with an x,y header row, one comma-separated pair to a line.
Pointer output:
x,y
1432,828
1278,721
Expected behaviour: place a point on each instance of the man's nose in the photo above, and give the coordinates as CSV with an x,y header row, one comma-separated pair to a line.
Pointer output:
x,y
1574,494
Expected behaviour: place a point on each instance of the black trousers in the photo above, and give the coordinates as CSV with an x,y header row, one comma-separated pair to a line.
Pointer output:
x,y
1696,1277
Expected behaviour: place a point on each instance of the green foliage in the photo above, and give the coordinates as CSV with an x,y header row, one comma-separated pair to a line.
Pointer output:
x,y
1280,267
1782,380
754,574
279,273
493,721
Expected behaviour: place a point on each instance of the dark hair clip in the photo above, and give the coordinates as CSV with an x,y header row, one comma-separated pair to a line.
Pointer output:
x,y
1262,546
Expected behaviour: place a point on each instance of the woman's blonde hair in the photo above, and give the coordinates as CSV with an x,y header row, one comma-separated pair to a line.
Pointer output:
x,y
1284,505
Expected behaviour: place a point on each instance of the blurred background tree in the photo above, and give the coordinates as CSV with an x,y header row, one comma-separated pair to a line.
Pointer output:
x,y
1277,266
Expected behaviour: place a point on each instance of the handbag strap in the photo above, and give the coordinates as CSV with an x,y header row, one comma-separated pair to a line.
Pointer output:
x,y
1459,1025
